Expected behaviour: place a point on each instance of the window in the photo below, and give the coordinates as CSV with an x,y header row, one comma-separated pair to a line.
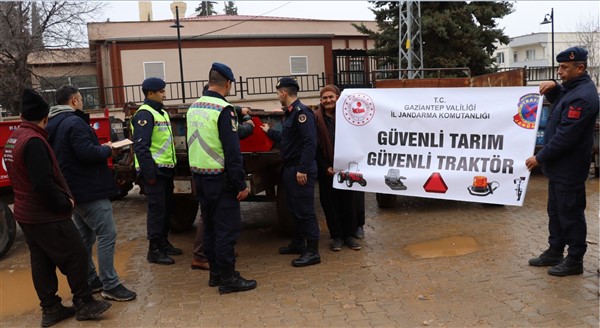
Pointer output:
x,y
357,70
530,54
298,65
154,69
500,58
86,83
515,57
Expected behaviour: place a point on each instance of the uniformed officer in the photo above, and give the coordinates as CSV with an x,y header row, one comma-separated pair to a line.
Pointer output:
x,y
155,165
298,143
219,178
565,160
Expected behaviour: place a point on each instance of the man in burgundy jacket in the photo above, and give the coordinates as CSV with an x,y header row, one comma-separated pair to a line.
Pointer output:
x,y
43,207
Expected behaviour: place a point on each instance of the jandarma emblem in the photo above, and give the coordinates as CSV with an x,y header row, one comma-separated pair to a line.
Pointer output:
x,y
527,106
358,109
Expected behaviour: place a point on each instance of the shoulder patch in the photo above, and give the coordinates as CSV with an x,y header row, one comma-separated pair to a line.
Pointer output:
x,y
574,112
302,118
234,126
142,122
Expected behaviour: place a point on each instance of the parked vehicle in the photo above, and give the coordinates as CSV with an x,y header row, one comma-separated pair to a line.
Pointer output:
x,y
262,164
8,227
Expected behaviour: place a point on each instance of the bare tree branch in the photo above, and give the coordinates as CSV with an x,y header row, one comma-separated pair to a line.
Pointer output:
x,y
31,27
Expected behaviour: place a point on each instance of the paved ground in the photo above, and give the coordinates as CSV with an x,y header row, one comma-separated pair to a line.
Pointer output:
x,y
406,275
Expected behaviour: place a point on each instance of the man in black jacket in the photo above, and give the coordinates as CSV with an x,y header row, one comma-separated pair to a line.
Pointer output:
x,y
43,208
83,162
565,160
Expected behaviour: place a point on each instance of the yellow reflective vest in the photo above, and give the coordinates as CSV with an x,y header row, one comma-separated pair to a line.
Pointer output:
x,y
205,151
162,147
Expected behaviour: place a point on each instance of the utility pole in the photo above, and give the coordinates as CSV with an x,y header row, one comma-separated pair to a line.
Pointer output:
x,y
410,55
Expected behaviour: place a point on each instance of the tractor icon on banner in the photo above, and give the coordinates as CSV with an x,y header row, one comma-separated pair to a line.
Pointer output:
x,y
351,176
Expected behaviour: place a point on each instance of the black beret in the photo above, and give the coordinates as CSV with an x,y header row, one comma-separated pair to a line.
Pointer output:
x,y
223,70
572,54
288,82
153,84
33,106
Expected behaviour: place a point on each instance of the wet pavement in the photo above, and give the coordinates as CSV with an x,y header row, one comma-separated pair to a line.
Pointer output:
x,y
424,262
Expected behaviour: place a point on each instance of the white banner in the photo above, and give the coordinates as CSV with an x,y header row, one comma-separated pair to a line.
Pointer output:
x,y
467,144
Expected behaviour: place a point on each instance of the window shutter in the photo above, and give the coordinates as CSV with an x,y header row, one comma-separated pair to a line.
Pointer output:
x,y
298,65
154,69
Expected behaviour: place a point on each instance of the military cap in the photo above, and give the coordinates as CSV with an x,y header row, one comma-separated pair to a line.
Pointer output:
x,y
33,106
153,84
287,82
572,54
223,70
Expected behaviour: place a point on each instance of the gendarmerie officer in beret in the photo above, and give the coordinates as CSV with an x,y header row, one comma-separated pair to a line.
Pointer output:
x,y
155,165
219,179
565,160
298,143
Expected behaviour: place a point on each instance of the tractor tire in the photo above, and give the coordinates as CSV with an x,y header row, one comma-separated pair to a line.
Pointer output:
x,y
185,209
284,217
363,183
8,229
385,200
349,183
340,179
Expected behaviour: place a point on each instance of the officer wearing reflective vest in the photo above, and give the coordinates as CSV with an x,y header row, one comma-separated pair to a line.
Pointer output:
x,y
298,143
219,178
565,160
155,165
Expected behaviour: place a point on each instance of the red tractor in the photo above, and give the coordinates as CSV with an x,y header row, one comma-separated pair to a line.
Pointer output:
x,y
351,176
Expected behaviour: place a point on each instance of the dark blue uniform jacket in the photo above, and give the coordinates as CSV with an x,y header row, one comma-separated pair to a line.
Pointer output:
x,y
569,133
142,136
82,160
298,137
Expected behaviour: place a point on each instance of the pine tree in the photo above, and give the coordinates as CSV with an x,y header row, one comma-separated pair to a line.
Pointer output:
x,y
206,8
230,8
455,34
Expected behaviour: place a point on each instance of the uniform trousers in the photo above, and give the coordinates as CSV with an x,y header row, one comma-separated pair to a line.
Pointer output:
x,y
52,245
301,203
567,226
222,222
160,207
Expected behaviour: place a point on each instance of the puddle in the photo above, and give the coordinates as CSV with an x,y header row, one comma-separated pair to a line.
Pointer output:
x,y
18,296
445,247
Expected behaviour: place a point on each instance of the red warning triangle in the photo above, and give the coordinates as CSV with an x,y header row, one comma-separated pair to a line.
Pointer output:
x,y
435,183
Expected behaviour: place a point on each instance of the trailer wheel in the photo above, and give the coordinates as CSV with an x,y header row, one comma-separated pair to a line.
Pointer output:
x,y
285,219
385,200
185,209
8,229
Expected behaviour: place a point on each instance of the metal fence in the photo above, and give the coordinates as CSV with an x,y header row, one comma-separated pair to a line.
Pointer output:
x,y
244,87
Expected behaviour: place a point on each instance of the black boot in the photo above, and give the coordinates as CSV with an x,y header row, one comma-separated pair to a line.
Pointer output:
x,y
569,266
214,279
168,249
156,256
310,256
235,283
547,258
295,247
90,309
55,314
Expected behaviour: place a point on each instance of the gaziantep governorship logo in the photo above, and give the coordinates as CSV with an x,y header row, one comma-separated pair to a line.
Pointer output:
x,y
358,109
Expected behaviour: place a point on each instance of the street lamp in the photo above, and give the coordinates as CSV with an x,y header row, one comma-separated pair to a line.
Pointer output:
x,y
549,19
178,26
